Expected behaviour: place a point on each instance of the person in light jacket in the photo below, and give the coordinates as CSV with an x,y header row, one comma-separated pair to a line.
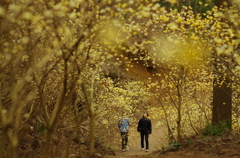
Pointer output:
x,y
145,128
123,125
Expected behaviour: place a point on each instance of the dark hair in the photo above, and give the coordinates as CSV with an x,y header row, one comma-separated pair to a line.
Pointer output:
x,y
146,113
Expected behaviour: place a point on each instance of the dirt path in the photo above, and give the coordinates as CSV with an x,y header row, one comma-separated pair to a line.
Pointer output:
x,y
199,148
156,140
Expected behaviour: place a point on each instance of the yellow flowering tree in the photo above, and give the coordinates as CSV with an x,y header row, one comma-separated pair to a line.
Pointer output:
x,y
53,60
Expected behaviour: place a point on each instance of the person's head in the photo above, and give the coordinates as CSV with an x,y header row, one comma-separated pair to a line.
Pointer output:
x,y
145,114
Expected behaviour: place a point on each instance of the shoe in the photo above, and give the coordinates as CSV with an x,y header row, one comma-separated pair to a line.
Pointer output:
x,y
123,150
142,149
127,148
146,150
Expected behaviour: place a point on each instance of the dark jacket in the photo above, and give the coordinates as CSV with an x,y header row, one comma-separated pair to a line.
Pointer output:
x,y
144,125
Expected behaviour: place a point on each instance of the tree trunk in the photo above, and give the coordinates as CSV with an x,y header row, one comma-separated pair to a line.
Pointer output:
x,y
195,8
92,129
89,95
179,133
171,138
222,91
188,3
56,112
179,5
222,102
168,6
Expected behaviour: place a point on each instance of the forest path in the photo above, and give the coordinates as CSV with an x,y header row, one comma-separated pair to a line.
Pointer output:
x,y
156,140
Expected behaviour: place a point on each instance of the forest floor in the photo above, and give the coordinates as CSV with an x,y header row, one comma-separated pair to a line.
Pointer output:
x,y
225,146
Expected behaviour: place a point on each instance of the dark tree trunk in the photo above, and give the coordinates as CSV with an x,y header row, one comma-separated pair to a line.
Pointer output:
x,y
195,8
179,5
222,91
222,102
188,3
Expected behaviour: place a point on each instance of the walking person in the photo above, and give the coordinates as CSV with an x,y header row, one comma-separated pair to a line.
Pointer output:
x,y
145,128
123,125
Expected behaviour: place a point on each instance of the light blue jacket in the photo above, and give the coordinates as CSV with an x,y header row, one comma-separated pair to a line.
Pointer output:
x,y
123,124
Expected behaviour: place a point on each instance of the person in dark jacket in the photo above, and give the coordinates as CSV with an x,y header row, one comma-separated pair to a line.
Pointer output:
x,y
145,128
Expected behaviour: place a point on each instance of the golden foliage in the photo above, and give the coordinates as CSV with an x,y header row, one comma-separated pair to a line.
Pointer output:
x,y
53,54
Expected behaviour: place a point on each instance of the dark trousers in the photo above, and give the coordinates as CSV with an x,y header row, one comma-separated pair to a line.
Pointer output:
x,y
143,134
124,136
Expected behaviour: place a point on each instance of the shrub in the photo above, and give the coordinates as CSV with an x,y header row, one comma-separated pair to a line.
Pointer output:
x,y
216,130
